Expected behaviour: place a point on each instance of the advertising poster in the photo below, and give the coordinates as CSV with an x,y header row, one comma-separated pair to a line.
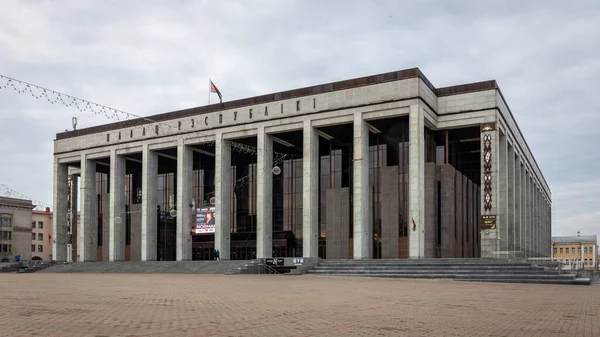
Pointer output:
x,y
205,220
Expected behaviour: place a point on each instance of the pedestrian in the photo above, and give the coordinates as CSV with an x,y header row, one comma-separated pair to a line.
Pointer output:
x,y
218,255
214,254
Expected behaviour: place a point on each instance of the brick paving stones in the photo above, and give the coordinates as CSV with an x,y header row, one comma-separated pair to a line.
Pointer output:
x,y
273,305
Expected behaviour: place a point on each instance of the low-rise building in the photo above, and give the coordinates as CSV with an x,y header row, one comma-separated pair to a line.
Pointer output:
x,y
41,235
15,229
581,250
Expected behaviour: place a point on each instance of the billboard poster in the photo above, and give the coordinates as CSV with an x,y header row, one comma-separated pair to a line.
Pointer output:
x,y
205,220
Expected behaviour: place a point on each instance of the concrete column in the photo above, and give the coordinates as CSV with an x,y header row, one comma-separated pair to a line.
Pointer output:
x,y
72,235
223,196
390,209
149,203
459,200
416,172
185,159
117,216
510,175
59,219
337,222
448,207
530,216
430,218
88,229
264,193
526,213
538,232
361,206
310,191
502,221
470,218
517,203
523,206
594,254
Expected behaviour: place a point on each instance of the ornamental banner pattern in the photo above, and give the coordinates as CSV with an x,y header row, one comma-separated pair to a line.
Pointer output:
x,y
487,168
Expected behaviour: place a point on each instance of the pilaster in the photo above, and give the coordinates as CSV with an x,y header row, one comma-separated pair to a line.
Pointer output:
x,y
184,219
117,216
310,191
264,193
416,182
149,203
59,218
223,194
88,229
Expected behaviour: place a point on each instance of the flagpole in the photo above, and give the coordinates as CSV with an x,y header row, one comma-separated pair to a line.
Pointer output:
x,y
209,91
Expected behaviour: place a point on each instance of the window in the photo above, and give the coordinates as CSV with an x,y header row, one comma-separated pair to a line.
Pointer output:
x,y
555,250
32,236
585,250
5,248
33,248
33,224
572,250
40,224
40,236
561,250
5,220
579,250
40,249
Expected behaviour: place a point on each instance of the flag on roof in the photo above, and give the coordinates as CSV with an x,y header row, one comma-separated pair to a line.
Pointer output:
x,y
213,88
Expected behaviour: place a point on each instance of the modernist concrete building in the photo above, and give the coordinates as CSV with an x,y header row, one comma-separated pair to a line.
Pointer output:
x,y
384,166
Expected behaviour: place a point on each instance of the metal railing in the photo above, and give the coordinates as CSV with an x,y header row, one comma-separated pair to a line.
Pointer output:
x,y
265,269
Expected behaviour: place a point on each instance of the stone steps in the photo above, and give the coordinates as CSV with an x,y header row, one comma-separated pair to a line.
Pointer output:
x,y
150,267
474,270
424,271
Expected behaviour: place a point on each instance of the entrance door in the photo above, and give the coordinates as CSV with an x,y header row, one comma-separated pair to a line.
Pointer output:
x,y
166,243
377,239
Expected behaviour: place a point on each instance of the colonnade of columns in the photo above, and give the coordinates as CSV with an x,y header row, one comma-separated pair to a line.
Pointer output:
x,y
524,219
223,192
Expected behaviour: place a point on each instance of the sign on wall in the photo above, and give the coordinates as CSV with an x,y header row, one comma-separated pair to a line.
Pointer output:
x,y
205,221
488,221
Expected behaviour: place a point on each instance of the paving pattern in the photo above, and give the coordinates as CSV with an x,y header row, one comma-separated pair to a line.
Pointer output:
x,y
276,305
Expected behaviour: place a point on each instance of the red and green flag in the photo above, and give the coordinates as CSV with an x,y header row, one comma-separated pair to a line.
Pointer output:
x,y
414,225
213,88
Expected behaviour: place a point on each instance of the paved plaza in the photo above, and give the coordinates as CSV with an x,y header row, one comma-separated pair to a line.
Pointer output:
x,y
274,305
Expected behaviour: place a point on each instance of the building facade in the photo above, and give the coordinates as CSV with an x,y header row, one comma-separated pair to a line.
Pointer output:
x,y
15,229
41,235
581,250
384,166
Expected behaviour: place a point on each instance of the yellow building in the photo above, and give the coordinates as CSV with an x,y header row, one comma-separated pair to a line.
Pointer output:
x,y
581,250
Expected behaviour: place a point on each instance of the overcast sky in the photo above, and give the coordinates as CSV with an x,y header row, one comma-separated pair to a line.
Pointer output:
x,y
148,57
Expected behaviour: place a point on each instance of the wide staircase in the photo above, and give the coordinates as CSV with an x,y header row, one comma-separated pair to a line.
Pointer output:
x,y
474,270
151,267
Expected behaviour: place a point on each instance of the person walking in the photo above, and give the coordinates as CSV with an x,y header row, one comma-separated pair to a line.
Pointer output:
x,y
218,255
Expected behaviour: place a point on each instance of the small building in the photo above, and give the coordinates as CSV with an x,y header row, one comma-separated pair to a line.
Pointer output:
x,y
580,250
15,231
41,235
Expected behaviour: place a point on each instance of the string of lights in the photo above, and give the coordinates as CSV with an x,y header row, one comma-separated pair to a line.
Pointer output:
x,y
55,97
11,193
83,105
